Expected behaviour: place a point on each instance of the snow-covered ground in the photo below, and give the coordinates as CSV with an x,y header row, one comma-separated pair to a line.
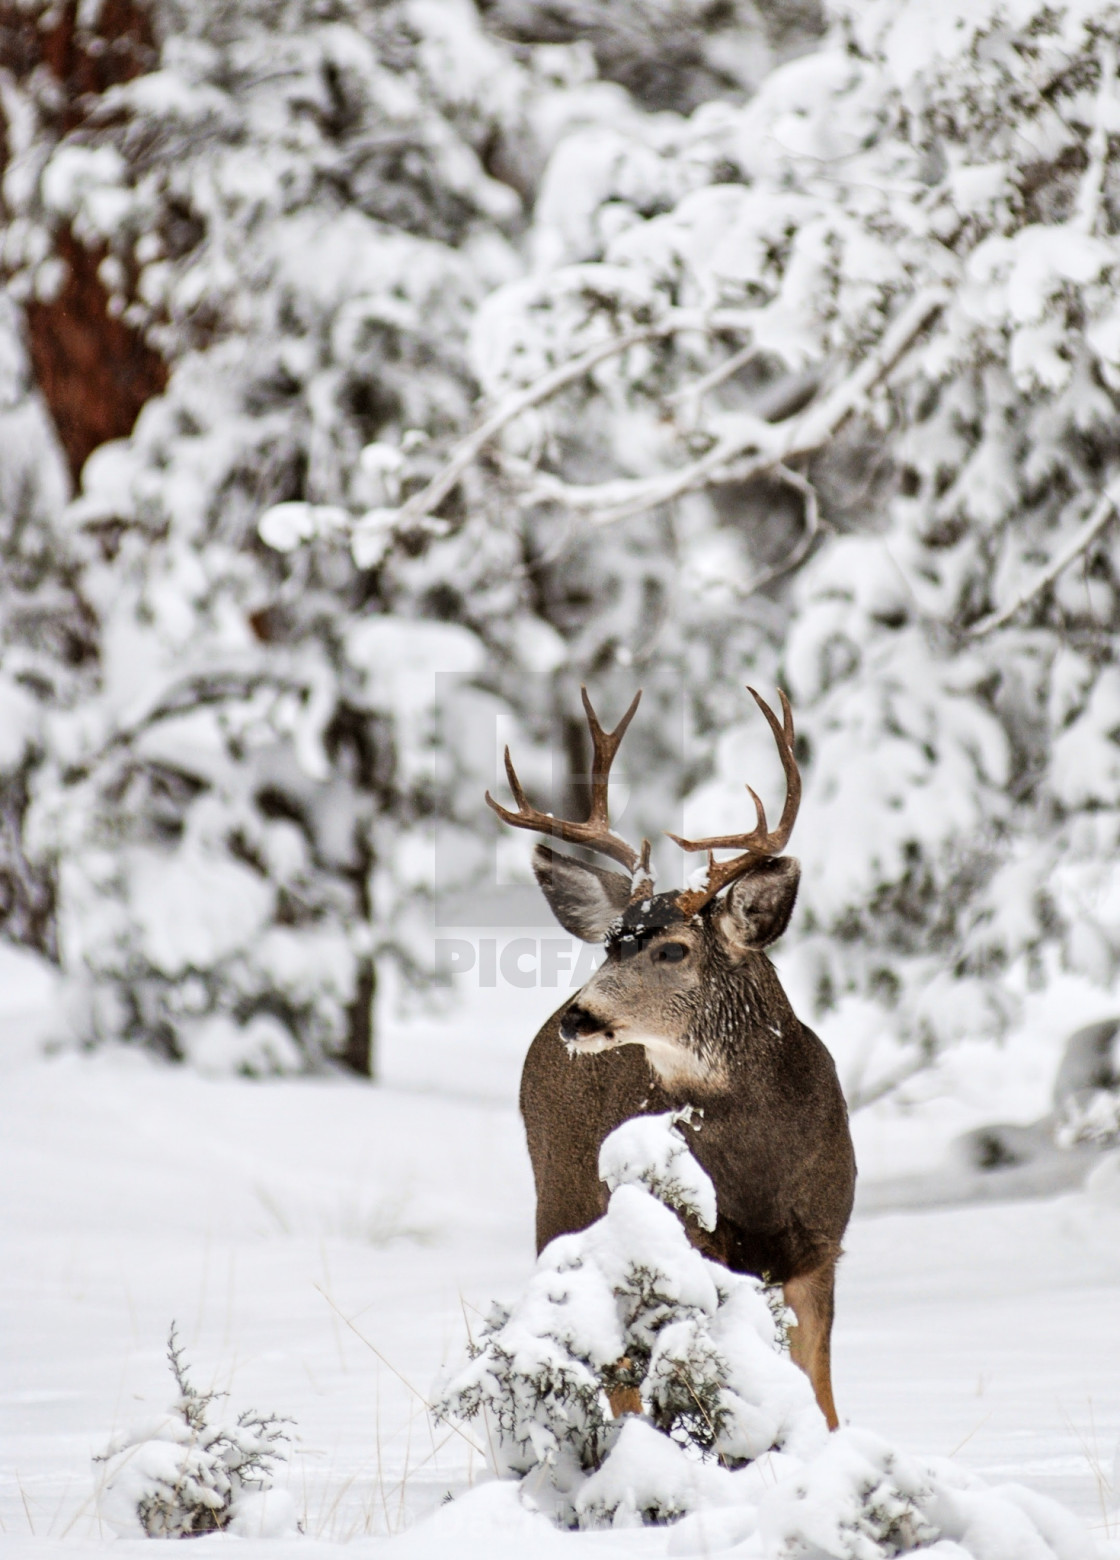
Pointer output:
x,y
324,1246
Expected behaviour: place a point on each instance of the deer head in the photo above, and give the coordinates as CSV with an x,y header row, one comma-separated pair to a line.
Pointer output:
x,y
684,971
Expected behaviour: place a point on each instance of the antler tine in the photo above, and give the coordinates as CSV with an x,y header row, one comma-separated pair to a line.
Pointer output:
x,y
605,744
784,738
761,842
595,833
527,816
514,785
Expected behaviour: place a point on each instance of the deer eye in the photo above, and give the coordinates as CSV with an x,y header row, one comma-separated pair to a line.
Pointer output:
x,y
670,953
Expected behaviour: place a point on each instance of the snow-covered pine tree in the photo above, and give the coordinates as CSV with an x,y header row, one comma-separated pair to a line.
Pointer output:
x,y
47,637
286,218
864,318
285,222
868,319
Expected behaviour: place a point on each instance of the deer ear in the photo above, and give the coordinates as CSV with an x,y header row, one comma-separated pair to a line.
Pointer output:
x,y
758,907
585,900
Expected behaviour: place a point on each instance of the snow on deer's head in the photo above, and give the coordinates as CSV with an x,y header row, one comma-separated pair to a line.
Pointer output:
x,y
681,971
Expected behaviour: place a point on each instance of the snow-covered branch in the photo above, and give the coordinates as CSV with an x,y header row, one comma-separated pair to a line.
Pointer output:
x,y
423,504
200,691
1103,511
755,447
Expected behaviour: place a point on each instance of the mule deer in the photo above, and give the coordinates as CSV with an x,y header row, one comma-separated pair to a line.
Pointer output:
x,y
687,1009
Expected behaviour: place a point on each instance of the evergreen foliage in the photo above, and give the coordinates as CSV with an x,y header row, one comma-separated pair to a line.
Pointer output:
x,y
852,344
719,1423
187,1474
816,385
231,821
630,1305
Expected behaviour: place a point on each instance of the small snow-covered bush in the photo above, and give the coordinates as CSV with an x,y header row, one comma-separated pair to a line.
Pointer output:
x,y
182,1474
727,1422
630,1303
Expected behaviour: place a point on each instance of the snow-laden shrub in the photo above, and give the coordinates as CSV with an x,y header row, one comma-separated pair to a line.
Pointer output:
x,y
192,1472
727,1423
861,1499
857,1498
631,1303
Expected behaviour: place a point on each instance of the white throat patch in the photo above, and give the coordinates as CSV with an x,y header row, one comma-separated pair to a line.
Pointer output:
x,y
676,1064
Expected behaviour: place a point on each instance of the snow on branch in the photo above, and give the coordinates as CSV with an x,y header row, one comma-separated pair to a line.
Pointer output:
x,y
197,691
418,511
1103,511
652,1152
755,447
543,389
1087,213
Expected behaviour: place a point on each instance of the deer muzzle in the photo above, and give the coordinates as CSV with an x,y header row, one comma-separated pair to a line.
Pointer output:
x,y
579,1024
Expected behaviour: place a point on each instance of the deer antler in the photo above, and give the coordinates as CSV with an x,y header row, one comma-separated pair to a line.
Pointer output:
x,y
760,842
595,832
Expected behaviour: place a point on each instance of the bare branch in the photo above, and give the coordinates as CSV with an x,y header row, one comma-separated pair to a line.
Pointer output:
x,y
372,1347
1103,511
693,394
811,524
860,1098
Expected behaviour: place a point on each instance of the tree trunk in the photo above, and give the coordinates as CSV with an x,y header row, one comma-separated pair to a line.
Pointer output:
x,y
360,1055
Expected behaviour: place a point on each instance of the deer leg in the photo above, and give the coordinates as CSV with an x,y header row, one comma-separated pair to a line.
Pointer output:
x,y
624,1399
810,1297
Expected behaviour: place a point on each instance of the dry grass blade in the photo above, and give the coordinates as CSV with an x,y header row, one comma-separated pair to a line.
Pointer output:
x,y
372,1347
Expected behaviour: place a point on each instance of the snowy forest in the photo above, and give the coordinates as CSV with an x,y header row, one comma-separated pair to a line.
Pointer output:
x,y
376,373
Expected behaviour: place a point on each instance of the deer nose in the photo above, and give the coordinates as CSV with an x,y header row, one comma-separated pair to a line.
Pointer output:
x,y
577,1021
